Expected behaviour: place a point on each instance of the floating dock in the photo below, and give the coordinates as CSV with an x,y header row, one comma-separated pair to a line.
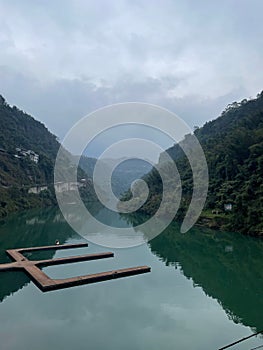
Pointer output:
x,y
45,283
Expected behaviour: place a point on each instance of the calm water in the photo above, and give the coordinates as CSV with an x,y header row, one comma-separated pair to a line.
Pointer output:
x,y
205,291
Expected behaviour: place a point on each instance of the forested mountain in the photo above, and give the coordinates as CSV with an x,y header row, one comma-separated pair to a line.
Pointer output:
x,y
233,146
27,157
18,130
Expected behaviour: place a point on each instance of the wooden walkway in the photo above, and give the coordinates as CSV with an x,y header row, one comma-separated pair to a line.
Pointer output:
x,y
45,283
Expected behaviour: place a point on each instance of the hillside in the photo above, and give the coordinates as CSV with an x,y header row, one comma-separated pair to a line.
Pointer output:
x,y
19,130
27,157
233,145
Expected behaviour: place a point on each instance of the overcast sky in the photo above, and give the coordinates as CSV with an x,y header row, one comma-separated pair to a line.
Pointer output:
x,y
60,60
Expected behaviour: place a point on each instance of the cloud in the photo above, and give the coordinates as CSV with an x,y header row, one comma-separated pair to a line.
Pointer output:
x,y
62,60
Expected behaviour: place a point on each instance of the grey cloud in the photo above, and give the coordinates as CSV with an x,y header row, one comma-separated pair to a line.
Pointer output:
x,y
63,102
63,60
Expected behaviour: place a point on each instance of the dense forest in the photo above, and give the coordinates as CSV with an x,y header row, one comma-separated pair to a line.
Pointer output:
x,y
233,146
27,157
21,139
232,143
19,130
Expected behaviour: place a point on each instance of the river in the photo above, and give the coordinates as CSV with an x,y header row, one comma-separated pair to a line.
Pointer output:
x,y
204,291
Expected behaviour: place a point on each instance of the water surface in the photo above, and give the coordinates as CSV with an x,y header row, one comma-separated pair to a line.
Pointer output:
x,y
204,291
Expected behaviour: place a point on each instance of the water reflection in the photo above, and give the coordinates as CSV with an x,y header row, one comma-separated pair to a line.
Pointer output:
x,y
227,266
29,229
170,308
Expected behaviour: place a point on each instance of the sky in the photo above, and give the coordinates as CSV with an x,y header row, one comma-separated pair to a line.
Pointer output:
x,y
60,60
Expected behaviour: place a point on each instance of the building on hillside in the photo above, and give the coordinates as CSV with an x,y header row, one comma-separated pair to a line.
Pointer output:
x,y
228,207
27,153
67,186
37,189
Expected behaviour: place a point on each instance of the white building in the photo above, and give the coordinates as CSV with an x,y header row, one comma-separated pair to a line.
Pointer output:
x,y
228,206
37,189
29,153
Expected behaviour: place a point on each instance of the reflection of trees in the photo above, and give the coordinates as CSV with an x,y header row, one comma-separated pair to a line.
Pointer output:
x,y
11,282
134,219
228,267
36,228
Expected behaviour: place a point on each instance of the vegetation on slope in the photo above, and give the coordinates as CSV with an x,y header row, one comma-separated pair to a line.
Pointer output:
x,y
20,133
233,146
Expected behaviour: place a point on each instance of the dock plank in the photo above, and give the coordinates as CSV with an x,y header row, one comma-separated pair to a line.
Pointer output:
x,y
45,283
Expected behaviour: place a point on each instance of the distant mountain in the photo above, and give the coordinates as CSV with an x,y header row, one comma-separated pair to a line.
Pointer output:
x,y
123,175
233,146
27,157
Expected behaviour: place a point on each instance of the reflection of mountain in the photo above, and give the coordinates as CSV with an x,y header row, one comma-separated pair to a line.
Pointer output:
x,y
29,230
11,282
227,267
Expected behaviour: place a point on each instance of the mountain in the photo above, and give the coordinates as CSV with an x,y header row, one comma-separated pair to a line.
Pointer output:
x,y
19,133
123,175
27,157
233,146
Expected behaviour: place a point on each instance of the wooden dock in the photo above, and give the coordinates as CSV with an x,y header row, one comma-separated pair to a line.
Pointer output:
x,y
45,283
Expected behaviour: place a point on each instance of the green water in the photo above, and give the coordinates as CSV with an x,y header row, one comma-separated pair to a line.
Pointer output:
x,y
205,291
